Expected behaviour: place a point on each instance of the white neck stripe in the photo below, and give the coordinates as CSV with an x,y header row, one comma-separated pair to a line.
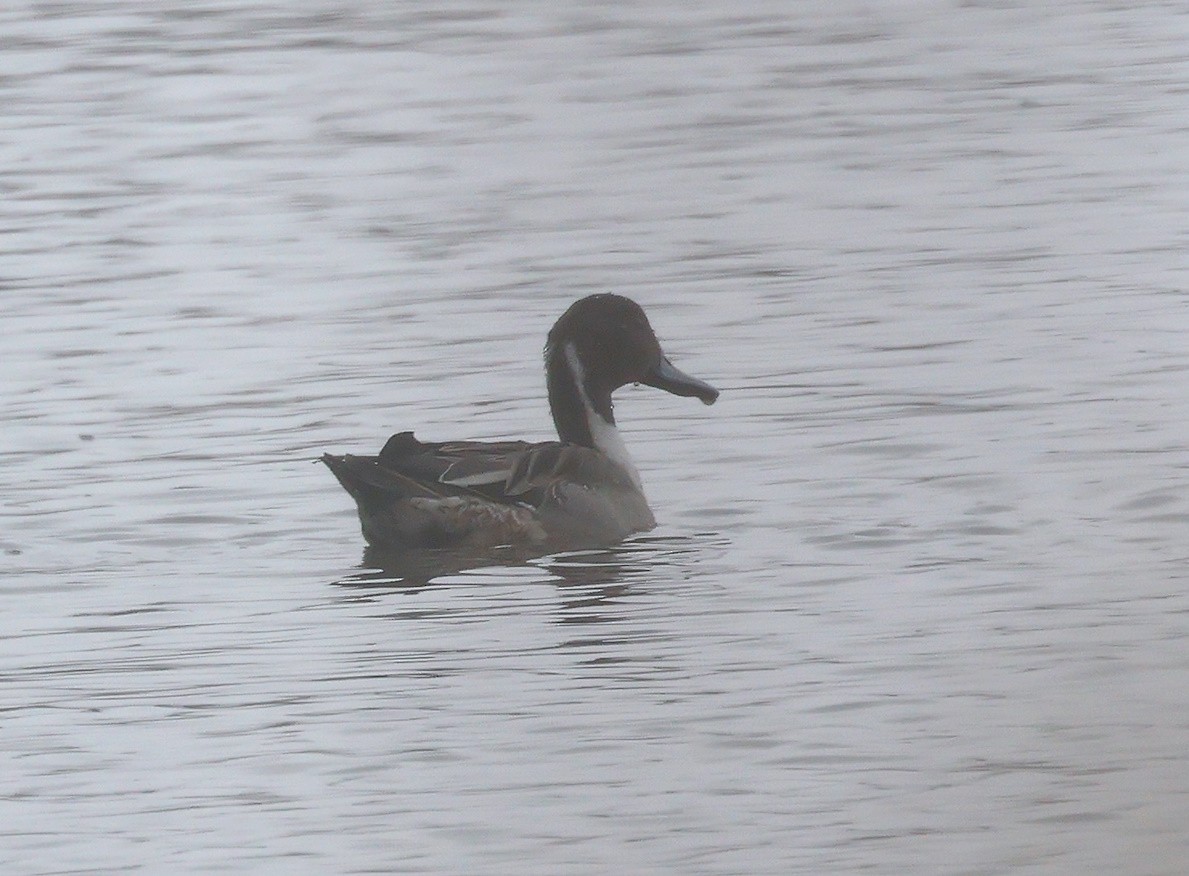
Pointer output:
x,y
604,435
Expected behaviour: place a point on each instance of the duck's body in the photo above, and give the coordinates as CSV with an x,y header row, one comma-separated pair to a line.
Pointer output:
x,y
580,491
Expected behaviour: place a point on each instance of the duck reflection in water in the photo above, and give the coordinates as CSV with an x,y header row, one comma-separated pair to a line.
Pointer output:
x,y
593,575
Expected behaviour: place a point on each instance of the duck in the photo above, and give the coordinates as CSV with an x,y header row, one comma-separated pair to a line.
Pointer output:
x,y
580,491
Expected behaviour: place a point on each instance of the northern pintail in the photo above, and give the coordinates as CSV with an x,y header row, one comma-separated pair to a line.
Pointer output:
x,y
580,491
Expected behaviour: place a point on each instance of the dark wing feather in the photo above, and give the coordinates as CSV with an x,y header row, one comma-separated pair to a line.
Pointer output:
x,y
482,468
543,465
373,484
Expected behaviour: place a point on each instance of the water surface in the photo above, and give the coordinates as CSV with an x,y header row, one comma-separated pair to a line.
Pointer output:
x,y
917,600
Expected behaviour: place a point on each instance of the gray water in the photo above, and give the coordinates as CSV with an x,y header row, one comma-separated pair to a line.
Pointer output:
x,y
917,602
